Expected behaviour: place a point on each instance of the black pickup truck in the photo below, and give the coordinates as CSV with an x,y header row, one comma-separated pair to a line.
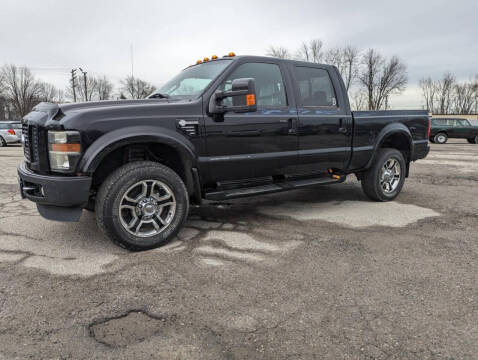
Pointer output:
x,y
223,128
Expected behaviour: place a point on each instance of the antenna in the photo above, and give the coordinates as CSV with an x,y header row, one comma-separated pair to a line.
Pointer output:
x,y
132,61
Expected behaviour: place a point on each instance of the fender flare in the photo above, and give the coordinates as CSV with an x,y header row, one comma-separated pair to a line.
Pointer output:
x,y
391,129
115,139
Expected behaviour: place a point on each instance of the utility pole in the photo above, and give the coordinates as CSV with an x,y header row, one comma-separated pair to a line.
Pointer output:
x,y
73,83
86,87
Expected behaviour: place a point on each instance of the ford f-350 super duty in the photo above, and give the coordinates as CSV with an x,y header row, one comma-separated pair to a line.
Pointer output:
x,y
223,128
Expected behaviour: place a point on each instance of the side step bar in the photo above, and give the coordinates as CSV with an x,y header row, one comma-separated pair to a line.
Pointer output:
x,y
271,188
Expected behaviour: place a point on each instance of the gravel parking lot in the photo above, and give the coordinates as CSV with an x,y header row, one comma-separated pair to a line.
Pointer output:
x,y
320,273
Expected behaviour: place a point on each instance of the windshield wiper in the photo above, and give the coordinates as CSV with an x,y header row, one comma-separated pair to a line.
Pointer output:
x,y
159,95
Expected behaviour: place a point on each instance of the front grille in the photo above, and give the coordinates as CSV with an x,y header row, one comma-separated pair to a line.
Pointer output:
x,y
26,142
34,143
30,143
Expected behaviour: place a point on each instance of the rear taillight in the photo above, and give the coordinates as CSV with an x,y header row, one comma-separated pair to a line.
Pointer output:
x,y
11,131
429,128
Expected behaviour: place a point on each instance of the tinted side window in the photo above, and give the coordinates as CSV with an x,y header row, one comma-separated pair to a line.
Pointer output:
x,y
270,91
315,87
3,126
439,122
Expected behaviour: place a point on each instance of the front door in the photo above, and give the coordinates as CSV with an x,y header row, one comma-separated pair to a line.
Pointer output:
x,y
324,126
256,144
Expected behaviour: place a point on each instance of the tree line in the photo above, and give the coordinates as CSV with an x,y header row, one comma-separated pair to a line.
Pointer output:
x,y
20,90
371,79
449,96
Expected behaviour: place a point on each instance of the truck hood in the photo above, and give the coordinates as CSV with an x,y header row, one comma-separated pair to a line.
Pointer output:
x,y
79,115
91,105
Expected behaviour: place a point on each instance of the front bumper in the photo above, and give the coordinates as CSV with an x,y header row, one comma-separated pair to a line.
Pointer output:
x,y
58,197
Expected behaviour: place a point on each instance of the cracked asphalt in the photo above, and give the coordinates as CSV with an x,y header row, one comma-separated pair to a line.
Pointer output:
x,y
319,273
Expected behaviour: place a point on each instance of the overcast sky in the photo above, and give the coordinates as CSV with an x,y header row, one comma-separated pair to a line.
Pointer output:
x,y
53,36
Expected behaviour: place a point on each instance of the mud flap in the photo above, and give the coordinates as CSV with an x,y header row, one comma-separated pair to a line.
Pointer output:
x,y
58,213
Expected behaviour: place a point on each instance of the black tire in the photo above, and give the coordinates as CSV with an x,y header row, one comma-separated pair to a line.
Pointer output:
x,y
471,141
371,184
118,183
441,138
2,142
432,140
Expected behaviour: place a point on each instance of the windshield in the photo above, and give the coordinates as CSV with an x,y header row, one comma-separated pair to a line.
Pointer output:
x,y
191,82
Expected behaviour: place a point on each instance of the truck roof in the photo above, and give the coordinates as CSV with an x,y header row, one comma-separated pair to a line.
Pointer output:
x,y
268,58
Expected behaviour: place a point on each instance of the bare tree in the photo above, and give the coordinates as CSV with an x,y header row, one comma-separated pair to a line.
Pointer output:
x,y
347,62
446,95
464,98
47,92
21,88
104,88
135,88
350,65
278,52
381,78
445,88
311,51
429,91
358,100
91,88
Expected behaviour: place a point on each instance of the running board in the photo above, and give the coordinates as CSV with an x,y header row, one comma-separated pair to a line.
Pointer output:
x,y
270,188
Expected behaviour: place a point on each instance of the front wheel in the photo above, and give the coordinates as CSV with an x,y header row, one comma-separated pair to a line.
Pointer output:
x,y
142,205
384,180
441,138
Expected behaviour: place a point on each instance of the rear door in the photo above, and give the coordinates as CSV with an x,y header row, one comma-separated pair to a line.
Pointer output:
x,y
462,129
256,144
324,126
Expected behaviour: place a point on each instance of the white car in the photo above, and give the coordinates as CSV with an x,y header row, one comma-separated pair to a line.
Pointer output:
x,y
10,132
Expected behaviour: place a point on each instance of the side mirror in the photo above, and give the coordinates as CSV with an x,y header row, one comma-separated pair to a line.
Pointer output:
x,y
243,95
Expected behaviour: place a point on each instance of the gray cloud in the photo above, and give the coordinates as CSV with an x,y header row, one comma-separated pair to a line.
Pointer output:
x,y
52,36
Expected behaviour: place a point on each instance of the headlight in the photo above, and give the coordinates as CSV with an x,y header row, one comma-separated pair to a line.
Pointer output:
x,y
64,150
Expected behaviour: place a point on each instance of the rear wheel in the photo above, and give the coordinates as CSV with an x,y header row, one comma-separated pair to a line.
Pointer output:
x,y
384,180
441,138
2,142
473,140
142,205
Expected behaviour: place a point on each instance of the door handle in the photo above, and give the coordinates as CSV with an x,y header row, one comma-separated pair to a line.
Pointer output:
x,y
342,129
291,130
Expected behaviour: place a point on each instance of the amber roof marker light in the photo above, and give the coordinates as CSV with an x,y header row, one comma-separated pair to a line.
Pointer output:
x,y
214,57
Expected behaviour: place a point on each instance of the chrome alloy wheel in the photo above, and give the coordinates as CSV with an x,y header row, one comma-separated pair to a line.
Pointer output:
x,y
441,139
390,175
147,208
